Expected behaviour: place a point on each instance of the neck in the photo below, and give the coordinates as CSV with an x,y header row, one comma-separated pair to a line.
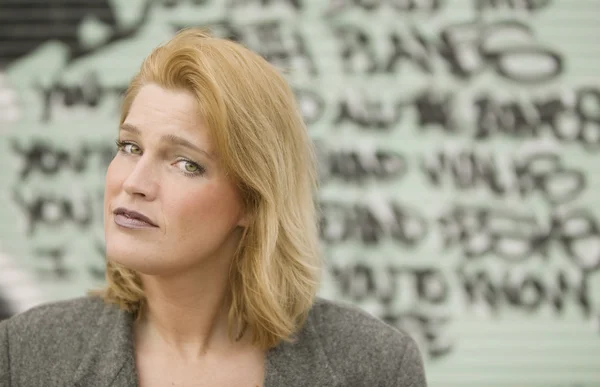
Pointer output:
x,y
186,314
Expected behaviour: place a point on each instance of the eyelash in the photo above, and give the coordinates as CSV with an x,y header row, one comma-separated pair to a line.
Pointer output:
x,y
200,171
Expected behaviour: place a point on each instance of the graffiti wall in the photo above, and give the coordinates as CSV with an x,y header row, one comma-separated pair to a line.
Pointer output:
x,y
459,147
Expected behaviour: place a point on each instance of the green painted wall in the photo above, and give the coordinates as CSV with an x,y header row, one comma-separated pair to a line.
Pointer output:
x,y
459,144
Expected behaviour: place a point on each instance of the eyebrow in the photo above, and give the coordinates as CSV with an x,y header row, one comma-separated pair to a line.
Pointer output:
x,y
170,138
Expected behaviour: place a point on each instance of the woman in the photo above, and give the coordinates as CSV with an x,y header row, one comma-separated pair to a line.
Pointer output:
x,y
212,248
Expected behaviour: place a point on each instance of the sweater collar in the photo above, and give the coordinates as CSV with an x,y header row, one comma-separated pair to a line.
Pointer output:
x,y
109,360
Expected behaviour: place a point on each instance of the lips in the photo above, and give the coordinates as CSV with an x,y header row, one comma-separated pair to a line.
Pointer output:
x,y
134,215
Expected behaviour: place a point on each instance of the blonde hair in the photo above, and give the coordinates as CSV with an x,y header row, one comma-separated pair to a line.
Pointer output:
x,y
264,146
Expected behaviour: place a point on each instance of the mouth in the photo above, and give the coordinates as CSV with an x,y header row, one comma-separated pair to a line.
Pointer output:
x,y
132,218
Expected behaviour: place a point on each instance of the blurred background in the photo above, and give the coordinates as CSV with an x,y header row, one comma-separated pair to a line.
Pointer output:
x,y
458,142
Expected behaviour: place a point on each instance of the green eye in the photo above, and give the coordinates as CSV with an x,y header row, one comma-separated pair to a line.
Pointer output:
x,y
134,149
189,167
128,147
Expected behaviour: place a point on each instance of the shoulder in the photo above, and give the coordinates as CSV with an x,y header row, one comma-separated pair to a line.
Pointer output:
x,y
54,334
55,326
363,349
68,316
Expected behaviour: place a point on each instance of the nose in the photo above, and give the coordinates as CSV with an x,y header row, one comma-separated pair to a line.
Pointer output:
x,y
142,181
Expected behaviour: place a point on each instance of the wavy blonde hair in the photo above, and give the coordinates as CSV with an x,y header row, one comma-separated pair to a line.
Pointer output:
x,y
265,148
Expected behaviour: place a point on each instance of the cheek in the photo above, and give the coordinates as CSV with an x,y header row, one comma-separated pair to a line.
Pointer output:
x,y
211,205
115,175
194,203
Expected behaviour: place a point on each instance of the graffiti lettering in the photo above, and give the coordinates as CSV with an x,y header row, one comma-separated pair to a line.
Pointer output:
x,y
529,5
281,45
359,282
432,108
468,49
175,3
357,166
462,42
570,122
572,117
540,172
295,4
357,109
96,271
428,6
90,93
427,330
56,256
57,20
49,160
370,224
435,109
524,290
53,210
515,237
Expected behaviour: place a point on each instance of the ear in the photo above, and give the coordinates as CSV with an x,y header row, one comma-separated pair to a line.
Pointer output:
x,y
247,212
243,222
245,218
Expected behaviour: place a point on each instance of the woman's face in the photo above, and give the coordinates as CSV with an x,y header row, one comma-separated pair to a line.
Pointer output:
x,y
168,205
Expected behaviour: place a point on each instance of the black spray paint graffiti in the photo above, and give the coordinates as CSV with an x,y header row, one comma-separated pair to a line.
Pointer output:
x,y
54,263
464,41
175,3
358,166
458,45
528,5
43,158
428,330
368,113
98,270
425,6
420,287
57,20
341,222
515,236
429,287
542,173
529,292
360,282
283,46
570,117
435,108
88,93
47,159
432,108
296,5
570,120
54,258
51,210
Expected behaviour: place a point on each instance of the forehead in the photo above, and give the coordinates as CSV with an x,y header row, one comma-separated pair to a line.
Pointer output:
x,y
162,111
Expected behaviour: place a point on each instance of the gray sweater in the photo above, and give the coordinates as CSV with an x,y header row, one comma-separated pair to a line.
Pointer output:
x,y
86,343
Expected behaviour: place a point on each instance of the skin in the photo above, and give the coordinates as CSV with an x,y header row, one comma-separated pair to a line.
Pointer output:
x,y
184,260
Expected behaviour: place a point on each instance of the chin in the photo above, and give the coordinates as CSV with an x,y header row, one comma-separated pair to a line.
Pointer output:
x,y
135,259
